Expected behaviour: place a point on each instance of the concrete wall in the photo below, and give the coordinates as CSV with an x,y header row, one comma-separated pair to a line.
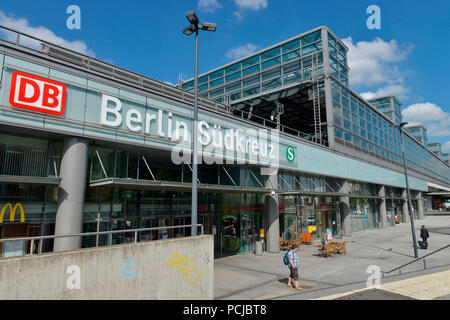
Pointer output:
x,y
180,268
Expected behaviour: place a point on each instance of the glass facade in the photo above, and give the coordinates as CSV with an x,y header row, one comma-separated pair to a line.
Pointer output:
x,y
435,147
287,63
357,125
419,133
391,107
338,59
309,214
364,214
446,158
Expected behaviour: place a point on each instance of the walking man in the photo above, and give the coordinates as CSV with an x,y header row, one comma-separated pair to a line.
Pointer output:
x,y
424,235
293,267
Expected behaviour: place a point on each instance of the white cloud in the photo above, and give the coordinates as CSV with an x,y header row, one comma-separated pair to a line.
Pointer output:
x,y
238,15
251,4
241,51
424,112
243,5
436,120
22,24
208,5
397,90
373,62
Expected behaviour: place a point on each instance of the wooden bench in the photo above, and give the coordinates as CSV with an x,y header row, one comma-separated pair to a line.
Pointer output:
x,y
341,248
327,250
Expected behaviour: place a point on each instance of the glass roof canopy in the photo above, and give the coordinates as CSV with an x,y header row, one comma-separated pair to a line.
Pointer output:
x,y
275,67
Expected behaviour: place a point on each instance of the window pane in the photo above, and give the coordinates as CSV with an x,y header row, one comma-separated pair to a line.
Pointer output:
x,y
203,87
235,96
311,37
293,66
233,68
294,44
216,74
347,136
232,87
291,55
203,79
311,48
251,81
251,91
271,84
250,61
251,70
216,82
188,85
270,63
338,132
271,74
216,92
270,53
233,76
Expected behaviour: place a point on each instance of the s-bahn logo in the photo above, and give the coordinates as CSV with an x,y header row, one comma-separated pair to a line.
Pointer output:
x,y
37,94
12,212
290,154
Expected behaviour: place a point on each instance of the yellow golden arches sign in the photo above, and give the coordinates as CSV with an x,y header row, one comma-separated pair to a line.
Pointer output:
x,y
12,212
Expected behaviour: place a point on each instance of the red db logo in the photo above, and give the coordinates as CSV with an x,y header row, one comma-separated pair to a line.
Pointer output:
x,y
37,94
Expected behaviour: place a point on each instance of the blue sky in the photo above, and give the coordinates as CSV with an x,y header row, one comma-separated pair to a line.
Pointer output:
x,y
408,56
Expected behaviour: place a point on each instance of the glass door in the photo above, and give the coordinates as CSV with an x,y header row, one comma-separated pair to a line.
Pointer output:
x,y
247,240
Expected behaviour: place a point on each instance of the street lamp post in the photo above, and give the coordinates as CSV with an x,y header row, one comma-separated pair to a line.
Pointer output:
x,y
195,27
407,191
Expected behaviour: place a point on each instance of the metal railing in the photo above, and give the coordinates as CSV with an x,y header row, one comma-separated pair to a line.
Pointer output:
x,y
415,260
33,249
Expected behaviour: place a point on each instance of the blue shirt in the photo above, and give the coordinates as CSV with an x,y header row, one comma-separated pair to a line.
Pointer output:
x,y
292,255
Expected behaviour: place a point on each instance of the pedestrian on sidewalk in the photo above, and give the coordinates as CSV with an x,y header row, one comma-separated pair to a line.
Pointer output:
x,y
424,235
293,267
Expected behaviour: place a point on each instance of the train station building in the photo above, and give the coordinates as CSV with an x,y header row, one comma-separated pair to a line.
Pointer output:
x,y
286,147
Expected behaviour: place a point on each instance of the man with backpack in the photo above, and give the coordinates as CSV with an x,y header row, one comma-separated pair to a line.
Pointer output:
x,y
292,258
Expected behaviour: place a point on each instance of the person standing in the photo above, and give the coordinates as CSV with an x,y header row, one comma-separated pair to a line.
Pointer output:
x,y
424,234
293,267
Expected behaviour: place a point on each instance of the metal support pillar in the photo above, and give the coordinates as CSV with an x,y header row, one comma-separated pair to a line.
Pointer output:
x,y
382,207
420,206
71,192
271,212
346,219
405,213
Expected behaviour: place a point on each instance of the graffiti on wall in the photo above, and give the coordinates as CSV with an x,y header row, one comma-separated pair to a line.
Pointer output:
x,y
128,270
187,267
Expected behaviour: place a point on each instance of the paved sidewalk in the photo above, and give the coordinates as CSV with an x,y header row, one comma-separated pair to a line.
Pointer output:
x,y
428,287
250,277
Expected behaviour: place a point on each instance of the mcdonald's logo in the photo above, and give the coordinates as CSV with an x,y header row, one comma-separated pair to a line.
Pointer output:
x,y
12,212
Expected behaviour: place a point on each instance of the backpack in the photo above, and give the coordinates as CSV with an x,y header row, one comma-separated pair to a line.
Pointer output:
x,y
286,259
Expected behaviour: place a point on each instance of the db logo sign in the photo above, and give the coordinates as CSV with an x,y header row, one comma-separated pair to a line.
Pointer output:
x,y
37,94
